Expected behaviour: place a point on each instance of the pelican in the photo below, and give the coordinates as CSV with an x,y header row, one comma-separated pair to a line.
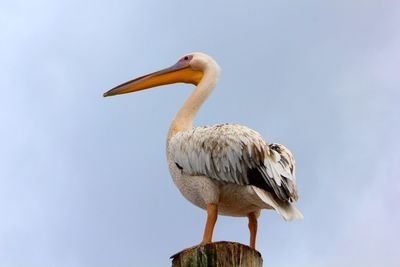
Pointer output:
x,y
225,169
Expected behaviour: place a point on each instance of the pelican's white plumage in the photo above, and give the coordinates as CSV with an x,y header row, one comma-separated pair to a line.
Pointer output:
x,y
225,169
237,159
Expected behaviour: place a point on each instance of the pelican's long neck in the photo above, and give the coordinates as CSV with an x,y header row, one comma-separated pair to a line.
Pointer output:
x,y
184,118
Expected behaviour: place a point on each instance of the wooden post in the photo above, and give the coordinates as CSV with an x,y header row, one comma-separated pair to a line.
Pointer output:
x,y
221,254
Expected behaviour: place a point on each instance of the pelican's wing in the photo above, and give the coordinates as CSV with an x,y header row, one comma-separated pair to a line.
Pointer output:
x,y
236,154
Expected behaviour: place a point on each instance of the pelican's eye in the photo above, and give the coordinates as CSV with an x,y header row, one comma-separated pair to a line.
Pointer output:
x,y
186,59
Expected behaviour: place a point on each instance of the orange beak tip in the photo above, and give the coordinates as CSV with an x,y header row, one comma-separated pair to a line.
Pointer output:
x,y
108,93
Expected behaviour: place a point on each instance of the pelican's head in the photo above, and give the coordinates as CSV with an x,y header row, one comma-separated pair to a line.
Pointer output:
x,y
189,69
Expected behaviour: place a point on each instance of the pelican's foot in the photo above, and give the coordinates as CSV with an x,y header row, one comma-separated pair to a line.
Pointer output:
x,y
202,243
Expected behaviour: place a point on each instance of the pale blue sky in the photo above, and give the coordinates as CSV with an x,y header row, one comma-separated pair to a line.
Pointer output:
x,y
83,179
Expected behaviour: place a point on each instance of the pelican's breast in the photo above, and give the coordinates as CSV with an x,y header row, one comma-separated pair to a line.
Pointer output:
x,y
199,190
232,199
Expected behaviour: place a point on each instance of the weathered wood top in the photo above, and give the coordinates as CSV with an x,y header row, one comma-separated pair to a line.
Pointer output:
x,y
218,254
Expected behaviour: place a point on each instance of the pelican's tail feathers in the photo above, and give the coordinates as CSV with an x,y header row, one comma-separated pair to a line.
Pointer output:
x,y
287,210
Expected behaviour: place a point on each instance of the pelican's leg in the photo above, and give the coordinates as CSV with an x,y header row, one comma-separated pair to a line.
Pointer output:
x,y
212,214
253,228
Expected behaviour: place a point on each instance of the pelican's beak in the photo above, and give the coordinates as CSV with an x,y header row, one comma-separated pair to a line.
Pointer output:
x,y
180,72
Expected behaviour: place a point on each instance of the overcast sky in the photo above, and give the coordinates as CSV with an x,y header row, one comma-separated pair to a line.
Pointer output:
x,y
84,180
